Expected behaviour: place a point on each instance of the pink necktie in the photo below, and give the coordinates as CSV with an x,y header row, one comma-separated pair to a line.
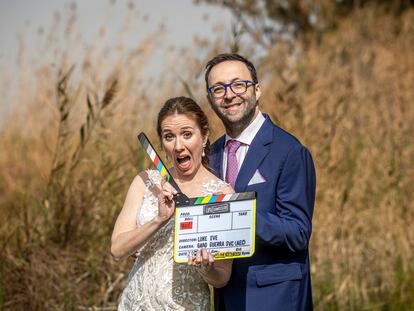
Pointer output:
x,y
232,165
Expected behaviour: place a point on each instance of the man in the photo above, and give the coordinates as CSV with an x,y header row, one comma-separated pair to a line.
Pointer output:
x,y
256,155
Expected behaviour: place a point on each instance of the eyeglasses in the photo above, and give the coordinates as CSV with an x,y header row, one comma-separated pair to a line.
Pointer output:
x,y
237,87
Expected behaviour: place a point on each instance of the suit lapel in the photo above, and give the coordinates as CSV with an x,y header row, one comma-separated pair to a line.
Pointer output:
x,y
257,152
217,157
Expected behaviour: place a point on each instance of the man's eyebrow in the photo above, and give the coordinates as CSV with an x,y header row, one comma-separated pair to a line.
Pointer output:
x,y
232,80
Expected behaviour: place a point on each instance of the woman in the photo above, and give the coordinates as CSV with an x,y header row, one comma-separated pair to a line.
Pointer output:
x,y
145,224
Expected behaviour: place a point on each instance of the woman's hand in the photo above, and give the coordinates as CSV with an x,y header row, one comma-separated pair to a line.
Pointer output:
x,y
166,204
216,273
203,260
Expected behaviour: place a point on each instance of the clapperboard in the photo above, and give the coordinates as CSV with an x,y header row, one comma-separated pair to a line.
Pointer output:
x,y
223,223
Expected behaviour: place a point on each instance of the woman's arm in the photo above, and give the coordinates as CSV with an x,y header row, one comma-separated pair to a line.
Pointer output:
x,y
128,236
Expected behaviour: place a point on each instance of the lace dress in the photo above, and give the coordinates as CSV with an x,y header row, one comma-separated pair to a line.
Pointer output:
x,y
156,282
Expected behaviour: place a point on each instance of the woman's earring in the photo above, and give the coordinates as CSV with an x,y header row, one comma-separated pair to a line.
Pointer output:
x,y
203,154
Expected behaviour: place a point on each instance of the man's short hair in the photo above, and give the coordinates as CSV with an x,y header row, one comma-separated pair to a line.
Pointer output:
x,y
230,57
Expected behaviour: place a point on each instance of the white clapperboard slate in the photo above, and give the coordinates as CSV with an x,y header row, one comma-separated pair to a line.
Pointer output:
x,y
224,223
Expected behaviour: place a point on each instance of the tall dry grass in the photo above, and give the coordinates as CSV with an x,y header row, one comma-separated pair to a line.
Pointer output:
x,y
69,154
350,98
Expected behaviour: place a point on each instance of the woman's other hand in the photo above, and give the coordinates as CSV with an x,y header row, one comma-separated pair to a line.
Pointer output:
x,y
216,273
203,260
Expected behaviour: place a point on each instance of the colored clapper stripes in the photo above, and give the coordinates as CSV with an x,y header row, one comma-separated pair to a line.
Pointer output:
x,y
153,155
222,198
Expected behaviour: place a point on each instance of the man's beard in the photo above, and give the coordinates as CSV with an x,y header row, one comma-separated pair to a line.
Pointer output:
x,y
246,118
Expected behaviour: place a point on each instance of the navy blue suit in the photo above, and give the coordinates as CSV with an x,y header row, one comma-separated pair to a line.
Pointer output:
x,y
277,276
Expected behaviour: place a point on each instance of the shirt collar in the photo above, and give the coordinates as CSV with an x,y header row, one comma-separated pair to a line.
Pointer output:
x,y
246,137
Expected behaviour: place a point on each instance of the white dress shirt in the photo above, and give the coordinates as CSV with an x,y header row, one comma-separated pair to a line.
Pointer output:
x,y
246,137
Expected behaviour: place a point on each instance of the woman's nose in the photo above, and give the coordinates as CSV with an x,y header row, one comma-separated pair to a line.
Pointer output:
x,y
178,144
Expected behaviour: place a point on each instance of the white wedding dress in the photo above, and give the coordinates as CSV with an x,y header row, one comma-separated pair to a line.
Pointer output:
x,y
156,282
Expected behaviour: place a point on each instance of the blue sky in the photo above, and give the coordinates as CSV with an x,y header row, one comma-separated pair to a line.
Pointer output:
x,y
28,18
28,22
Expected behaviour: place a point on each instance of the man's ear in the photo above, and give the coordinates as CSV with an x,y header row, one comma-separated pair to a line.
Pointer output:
x,y
258,91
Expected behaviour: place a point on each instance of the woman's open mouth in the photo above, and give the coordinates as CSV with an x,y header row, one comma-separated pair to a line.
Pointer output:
x,y
183,162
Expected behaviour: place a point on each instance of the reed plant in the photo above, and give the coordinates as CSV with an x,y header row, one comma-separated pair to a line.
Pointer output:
x,y
69,152
349,97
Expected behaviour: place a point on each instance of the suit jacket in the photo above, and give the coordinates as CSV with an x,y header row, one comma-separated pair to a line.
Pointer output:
x,y
277,276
